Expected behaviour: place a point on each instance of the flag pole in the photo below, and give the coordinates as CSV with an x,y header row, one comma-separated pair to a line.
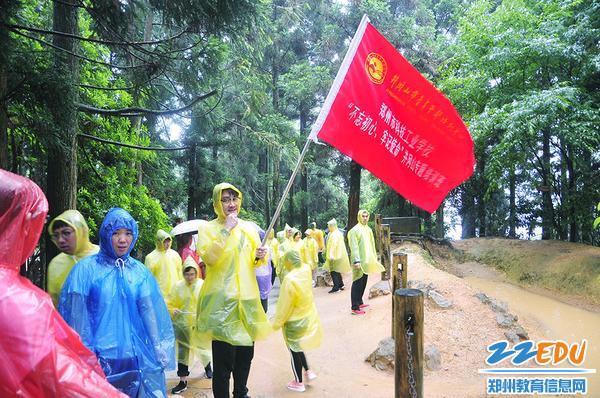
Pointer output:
x,y
286,191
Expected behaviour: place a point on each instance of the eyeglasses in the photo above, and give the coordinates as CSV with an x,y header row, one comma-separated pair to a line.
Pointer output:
x,y
230,199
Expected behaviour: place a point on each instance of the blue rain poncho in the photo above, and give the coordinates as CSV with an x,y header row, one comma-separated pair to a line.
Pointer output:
x,y
116,306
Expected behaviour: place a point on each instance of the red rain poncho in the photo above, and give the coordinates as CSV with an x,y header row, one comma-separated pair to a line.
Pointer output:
x,y
41,355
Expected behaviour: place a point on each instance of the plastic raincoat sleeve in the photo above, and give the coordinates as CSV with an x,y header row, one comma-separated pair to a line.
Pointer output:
x,y
337,257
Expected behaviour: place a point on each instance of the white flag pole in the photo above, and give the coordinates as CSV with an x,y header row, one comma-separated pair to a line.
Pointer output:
x,y
333,91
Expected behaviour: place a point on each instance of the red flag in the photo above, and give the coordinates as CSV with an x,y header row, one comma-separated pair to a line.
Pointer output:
x,y
386,116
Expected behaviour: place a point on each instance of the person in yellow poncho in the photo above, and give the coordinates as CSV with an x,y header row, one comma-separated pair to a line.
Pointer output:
x,y
364,260
273,245
70,233
293,242
285,234
319,237
183,303
297,314
336,255
164,263
309,250
230,313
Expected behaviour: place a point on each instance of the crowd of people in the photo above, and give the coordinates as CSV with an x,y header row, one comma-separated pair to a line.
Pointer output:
x,y
206,302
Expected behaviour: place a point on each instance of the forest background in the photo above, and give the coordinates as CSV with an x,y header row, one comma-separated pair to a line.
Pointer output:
x,y
92,92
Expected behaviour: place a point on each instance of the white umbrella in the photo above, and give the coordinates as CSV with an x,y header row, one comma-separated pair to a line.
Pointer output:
x,y
186,227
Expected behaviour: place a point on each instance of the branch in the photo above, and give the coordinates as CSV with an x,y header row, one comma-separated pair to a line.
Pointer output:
x,y
76,55
91,39
140,111
144,148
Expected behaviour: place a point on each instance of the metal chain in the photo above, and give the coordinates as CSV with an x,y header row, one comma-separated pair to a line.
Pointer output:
x,y
411,376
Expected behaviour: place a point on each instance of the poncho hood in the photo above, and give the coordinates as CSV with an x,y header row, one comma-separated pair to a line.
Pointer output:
x,y
161,236
23,209
75,220
217,205
115,219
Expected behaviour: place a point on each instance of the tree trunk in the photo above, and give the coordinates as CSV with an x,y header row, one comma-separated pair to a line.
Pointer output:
x,y
267,171
353,195
61,184
304,172
547,209
467,212
192,176
481,204
3,118
512,210
276,184
439,221
573,225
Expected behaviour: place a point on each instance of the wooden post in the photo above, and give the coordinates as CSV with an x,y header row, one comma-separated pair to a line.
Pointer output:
x,y
409,315
378,233
403,268
398,281
386,258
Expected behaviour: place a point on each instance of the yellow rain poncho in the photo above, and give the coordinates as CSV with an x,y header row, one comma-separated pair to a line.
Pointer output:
x,y
317,235
229,308
61,265
282,235
296,311
335,251
310,250
274,248
362,249
184,297
287,245
165,265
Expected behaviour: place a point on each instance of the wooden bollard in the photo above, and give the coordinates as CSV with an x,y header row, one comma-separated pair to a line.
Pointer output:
x,y
408,313
385,252
397,267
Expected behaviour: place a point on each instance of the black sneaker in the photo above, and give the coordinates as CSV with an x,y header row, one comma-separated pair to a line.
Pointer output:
x,y
179,388
208,371
333,291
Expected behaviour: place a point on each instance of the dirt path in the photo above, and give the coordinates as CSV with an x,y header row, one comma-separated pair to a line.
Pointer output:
x,y
461,333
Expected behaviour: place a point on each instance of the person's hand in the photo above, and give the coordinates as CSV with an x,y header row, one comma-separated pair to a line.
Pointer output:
x,y
230,222
261,252
177,311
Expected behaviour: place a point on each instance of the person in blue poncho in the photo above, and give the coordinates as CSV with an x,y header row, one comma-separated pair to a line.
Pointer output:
x,y
114,303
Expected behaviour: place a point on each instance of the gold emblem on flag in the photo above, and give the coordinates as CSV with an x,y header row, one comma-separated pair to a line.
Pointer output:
x,y
376,68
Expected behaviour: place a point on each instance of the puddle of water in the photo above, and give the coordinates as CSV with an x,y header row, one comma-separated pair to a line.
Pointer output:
x,y
556,320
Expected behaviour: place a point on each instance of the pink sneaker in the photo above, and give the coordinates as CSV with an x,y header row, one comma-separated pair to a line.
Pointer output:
x,y
296,386
358,312
309,375
363,306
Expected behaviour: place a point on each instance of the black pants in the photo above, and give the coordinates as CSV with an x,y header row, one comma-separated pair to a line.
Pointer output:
x,y
357,291
298,363
229,359
265,304
273,275
336,278
182,370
